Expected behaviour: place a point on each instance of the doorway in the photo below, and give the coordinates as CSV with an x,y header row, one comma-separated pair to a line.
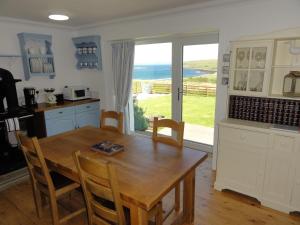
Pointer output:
x,y
177,79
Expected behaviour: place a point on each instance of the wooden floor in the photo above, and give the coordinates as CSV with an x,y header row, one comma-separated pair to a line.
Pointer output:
x,y
212,207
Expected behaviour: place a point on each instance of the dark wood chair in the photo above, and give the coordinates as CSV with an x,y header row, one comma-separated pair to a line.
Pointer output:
x,y
44,183
178,127
118,116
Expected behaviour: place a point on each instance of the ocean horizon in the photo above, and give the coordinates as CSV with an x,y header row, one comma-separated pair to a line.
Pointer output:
x,y
161,72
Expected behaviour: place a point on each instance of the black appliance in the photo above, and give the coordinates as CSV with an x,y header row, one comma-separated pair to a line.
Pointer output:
x,y
30,96
11,158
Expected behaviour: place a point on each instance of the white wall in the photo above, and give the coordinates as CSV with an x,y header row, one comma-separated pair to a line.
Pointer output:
x,y
232,21
63,50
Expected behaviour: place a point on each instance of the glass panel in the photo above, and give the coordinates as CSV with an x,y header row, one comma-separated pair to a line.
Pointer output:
x,y
199,92
256,81
240,80
151,85
242,58
258,58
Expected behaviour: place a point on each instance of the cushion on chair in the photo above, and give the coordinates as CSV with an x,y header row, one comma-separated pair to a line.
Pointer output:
x,y
59,181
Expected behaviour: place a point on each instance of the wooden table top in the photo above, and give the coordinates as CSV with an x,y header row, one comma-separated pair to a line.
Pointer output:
x,y
146,170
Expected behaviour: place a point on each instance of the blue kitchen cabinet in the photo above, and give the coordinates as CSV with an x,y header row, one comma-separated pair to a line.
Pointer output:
x,y
60,125
70,118
60,120
90,118
87,115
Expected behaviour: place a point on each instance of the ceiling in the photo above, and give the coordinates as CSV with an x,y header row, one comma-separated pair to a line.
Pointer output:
x,y
83,12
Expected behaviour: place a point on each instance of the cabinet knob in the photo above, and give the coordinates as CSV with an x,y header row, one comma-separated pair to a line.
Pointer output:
x,y
60,112
88,107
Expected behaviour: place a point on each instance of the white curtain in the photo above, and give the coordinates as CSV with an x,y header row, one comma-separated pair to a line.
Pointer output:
x,y
122,65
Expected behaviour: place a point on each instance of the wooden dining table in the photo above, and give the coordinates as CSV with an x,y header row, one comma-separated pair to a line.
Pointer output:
x,y
146,170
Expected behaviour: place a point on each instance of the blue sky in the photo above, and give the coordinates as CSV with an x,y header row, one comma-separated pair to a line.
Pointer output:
x,y
161,53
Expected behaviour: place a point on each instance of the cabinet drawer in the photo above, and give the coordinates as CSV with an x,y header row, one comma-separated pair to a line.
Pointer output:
x,y
55,113
245,137
87,107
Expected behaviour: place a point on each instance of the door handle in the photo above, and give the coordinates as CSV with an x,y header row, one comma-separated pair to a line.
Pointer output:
x,y
178,93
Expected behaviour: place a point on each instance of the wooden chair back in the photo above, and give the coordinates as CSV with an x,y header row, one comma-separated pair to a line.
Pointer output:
x,y
99,182
37,166
112,115
175,126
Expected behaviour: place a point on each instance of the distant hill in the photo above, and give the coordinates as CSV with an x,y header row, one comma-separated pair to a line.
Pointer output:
x,y
205,65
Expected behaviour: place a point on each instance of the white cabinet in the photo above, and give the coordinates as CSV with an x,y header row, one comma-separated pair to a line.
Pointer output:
x,y
279,173
241,160
295,197
250,68
260,162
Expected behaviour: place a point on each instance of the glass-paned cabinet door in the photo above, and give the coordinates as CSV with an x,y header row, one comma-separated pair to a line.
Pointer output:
x,y
256,81
240,80
251,67
258,58
242,58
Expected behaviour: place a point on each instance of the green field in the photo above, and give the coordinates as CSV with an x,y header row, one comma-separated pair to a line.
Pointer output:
x,y
198,110
209,65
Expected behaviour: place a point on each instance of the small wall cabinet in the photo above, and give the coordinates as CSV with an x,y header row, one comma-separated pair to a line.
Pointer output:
x,y
88,52
260,162
250,69
286,59
37,55
70,118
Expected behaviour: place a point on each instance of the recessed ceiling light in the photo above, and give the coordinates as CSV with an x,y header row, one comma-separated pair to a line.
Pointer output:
x,y
58,17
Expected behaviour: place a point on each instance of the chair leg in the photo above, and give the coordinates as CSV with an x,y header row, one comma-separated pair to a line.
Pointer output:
x,y
177,198
159,215
38,202
54,210
44,199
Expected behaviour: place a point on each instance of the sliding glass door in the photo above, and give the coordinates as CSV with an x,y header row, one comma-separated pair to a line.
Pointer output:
x,y
177,79
152,84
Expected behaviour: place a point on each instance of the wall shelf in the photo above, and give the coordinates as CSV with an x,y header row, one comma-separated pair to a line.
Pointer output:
x,y
88,52
9,56
37,55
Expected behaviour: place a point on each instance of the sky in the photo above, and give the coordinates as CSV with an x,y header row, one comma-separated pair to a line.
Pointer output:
x,y
161,53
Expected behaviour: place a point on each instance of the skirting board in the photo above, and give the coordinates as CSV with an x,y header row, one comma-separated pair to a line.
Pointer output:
x,y
12,178
264,202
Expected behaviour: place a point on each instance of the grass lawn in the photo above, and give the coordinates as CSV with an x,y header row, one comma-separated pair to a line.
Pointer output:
x,y
196,109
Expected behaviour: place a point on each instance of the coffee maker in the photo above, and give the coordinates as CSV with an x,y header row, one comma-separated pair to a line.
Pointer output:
x,y
30,96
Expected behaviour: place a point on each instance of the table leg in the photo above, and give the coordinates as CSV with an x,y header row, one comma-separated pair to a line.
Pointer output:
x,y
189,197
138,216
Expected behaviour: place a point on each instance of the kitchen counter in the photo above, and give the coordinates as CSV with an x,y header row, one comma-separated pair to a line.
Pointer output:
x,y
255,126
42,107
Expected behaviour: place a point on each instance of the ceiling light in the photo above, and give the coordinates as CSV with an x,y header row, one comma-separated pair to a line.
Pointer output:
x,y
58,17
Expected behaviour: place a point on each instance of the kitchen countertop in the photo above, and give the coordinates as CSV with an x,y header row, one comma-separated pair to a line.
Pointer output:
x,y
255,126
41,107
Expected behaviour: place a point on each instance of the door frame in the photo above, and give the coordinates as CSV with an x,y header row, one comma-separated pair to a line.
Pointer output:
x,y
178,42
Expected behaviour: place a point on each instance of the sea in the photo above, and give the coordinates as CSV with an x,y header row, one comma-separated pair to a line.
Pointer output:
x,y
161,72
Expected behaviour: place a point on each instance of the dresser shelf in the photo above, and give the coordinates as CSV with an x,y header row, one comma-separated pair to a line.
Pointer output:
x,y
37,55
88,52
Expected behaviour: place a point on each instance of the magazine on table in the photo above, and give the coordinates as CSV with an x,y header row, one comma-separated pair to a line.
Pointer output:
x,y
107,148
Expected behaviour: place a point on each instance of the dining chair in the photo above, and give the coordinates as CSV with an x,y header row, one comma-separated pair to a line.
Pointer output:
x,y
45,183
177,127
100,186
117,116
